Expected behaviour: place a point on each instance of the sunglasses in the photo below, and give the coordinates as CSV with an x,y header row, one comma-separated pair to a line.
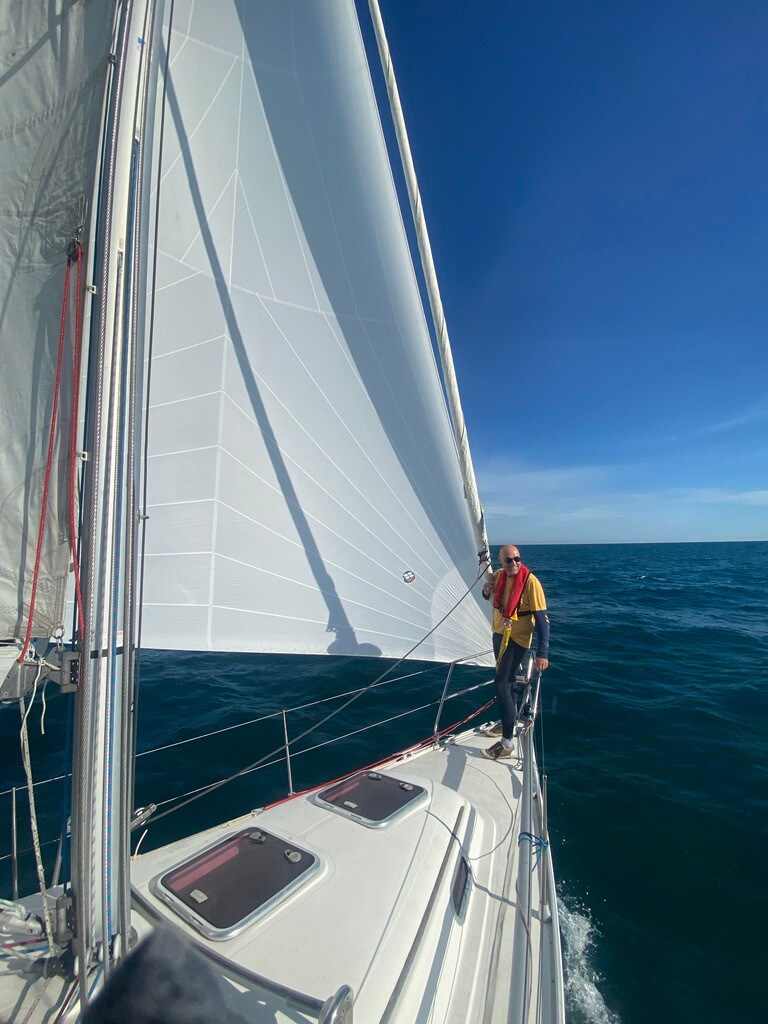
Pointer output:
x,y
509,561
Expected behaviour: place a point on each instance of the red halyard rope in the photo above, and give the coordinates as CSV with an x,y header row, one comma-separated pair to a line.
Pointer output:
x,y
51,441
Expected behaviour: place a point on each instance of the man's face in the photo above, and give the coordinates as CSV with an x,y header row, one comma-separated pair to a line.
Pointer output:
x,y
510,560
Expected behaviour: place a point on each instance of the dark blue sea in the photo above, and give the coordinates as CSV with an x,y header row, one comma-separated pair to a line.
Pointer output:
x,y
654,742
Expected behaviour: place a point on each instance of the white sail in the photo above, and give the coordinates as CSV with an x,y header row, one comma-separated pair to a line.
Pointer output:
x,y
302,465
52,74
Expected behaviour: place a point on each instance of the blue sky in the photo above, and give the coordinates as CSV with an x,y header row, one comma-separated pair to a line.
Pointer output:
x,y
595,178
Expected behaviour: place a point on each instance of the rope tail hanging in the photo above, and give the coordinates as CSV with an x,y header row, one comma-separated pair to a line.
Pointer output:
x,y
24,737
505,637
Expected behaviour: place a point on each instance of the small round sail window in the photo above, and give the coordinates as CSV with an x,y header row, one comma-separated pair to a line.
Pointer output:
x,y
409,576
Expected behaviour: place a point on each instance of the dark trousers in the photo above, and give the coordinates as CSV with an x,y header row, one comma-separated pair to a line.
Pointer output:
x,y
505,683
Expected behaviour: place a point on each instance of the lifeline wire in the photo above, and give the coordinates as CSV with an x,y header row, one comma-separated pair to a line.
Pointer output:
x,y
222,782
264,718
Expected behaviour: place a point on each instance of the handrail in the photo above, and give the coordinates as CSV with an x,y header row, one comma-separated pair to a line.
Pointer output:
x,y
284,711
338,1009
289,753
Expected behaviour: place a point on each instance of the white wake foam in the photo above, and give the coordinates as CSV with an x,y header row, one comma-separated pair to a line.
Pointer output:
x,y
584,1004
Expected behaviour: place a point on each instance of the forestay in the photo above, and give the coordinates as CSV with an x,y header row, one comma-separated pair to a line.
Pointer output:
x,y
52,75
304,487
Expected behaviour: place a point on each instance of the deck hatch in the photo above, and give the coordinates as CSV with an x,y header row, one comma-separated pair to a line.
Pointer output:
x,y
225,888
372,799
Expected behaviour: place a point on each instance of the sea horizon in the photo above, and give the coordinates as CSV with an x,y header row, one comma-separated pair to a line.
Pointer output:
x,y
654,743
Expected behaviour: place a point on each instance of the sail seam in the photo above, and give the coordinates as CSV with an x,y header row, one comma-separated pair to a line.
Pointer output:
x,y
295,618
343,474
413,276
207,552
172,284
258,243
421,561
190,135
315,520
345,426
286,193
329,206
184,451
189,398
290,579
186,348
209,212
215,521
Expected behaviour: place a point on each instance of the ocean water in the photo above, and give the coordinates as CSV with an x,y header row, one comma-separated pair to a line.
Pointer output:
x,y
654,719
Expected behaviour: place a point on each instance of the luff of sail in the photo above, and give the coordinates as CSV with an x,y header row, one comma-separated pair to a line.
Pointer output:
x,y
304,487
53,68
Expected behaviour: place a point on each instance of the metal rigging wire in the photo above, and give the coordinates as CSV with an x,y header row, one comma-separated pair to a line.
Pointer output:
x,y
251,767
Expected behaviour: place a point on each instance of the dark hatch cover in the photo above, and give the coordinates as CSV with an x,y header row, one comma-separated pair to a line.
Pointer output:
x,y
371,796
234,880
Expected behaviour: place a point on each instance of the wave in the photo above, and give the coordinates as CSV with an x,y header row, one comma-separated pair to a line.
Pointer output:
x,y
584,1003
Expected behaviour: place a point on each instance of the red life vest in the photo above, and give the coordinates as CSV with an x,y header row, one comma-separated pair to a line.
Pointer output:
x,y
515,594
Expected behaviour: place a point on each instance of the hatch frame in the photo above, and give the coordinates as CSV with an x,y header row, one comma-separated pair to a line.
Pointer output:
x,y
203,926
416,803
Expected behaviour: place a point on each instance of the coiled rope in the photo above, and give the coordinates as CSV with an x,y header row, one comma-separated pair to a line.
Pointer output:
x,y
538,845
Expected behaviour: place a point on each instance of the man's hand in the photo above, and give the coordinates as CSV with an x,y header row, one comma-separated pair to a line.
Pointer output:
x,y
487,588
542,663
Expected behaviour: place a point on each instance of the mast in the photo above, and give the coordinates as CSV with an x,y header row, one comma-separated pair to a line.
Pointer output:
x,y
433,289
101,809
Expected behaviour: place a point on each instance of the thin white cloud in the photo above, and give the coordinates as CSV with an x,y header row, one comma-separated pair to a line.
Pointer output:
x,y
507,477
718,496
500,509
590,513
753,413
589,504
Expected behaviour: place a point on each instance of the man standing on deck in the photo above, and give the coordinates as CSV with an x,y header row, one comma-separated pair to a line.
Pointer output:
x,y
518,605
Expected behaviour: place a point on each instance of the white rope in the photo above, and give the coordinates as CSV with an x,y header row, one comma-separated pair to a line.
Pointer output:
x,y
138,845
24,736
42,716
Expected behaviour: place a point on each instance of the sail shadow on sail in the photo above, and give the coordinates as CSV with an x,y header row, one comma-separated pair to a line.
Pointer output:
x,y
304,478
338,177
345,640
304,474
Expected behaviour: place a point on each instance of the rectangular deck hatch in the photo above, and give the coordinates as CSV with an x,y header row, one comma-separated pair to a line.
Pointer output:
x,y
227,887
372,799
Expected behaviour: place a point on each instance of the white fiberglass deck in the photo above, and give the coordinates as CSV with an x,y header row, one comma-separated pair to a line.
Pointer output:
x,y
379,915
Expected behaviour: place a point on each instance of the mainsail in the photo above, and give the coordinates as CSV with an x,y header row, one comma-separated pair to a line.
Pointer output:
x,y
304,486
53,66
